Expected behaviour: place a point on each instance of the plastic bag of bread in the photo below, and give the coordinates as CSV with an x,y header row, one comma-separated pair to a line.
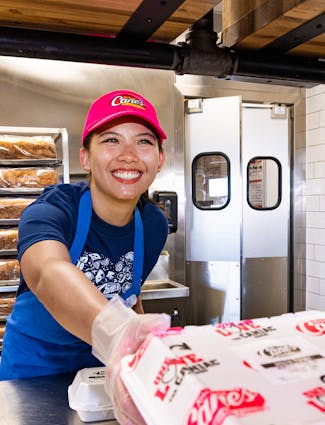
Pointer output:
x,y
27,177
11,208
8,238
27,147
2,331
6,305
9,269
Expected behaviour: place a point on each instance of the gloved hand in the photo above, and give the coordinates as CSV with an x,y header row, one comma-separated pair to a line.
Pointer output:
x,y
116,332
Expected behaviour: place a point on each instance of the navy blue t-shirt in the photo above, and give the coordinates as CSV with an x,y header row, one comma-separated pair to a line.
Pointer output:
x,y
107,257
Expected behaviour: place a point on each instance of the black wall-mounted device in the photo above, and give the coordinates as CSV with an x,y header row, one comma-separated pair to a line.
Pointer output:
x,y
168,202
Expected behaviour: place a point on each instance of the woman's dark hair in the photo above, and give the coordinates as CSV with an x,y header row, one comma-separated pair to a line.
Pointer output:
x,y
87,141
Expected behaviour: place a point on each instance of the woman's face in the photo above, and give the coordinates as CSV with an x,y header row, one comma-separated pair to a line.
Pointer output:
x,y
123,159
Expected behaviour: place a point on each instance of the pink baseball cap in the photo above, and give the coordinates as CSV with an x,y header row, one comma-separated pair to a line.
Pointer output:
x,y
121,103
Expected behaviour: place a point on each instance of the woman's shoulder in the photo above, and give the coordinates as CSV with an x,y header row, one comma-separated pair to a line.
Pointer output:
x,y
61,200
61,194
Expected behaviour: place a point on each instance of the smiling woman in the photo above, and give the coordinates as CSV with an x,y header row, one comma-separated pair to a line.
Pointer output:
x,y
99,241
122,158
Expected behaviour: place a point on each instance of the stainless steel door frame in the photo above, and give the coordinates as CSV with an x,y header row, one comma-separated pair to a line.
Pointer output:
x,y
237,259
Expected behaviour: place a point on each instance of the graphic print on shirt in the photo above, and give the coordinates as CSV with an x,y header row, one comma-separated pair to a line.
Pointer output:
x,y
108,277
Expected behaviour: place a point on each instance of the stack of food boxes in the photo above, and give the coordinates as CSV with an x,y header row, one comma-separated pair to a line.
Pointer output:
x,y
267,371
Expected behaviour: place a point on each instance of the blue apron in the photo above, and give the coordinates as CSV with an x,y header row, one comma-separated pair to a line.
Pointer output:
x,y
41,346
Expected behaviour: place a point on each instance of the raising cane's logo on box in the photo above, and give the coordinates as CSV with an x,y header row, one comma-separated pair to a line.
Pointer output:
x,y
275,351
312,327
212,407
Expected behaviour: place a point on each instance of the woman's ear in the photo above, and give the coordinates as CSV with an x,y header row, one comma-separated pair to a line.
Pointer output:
x,y
161,160
84,158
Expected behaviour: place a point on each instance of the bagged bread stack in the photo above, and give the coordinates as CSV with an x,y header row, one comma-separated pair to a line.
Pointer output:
x,y
30,159
27,147
17,151
6,305
27,177
9,269
8,238
11,208
2,331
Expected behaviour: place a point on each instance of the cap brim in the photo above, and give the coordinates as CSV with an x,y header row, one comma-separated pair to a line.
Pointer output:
x,y
158,130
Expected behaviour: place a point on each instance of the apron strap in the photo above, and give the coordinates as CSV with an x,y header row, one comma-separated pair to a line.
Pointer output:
x,y
83,225
138,250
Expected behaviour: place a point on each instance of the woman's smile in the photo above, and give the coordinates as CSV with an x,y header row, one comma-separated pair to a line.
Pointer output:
x,y
128,176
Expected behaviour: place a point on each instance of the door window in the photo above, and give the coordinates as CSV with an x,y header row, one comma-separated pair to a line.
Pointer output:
x,y
263,183
211,181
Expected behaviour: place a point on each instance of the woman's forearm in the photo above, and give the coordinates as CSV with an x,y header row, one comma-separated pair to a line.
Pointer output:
x,y
63,289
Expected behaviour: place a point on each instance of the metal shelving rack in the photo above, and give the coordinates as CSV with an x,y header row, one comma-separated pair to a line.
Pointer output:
x,y
61,163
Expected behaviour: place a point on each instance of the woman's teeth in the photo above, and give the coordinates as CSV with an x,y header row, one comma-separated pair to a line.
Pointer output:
x,y
126,175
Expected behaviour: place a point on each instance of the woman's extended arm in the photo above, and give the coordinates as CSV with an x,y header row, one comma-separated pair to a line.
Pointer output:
x,y
112,329
63,289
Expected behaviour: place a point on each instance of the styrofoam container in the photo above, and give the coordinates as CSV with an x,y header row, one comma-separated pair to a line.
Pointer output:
x,y
88,397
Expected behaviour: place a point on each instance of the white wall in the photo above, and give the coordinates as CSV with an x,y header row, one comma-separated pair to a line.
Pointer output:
x,y
315,198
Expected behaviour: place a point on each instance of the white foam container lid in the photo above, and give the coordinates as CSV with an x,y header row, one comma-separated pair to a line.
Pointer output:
x,y
88,397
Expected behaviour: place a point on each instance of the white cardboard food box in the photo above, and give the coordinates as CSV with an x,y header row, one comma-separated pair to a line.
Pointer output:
x,y
88,397
268,371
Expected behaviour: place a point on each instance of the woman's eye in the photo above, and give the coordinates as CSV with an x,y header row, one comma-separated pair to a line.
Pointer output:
x,y
146,142
110,140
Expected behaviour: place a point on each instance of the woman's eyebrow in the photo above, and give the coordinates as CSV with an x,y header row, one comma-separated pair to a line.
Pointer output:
x,y
147,134
104,133
116,133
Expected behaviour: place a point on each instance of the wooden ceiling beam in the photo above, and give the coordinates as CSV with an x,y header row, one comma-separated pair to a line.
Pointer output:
x,y
254,24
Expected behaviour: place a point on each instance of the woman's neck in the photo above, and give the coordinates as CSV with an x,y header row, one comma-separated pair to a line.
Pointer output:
x,y
113,211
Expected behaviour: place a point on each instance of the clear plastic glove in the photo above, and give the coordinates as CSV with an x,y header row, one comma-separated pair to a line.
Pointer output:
x,y
116,332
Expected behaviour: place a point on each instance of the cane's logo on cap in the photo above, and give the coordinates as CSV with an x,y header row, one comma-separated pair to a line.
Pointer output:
x,y
123,100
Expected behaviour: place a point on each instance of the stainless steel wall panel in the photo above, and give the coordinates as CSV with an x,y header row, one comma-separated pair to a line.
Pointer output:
x,y
298,168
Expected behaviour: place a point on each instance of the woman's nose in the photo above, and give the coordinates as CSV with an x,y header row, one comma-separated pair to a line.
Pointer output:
x,y
128,153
